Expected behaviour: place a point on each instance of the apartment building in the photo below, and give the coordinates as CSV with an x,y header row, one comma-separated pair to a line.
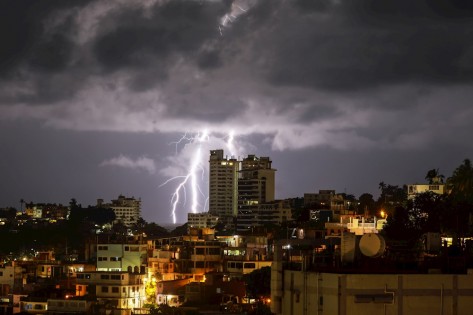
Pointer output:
x,y
202,220
416,189
328,199
123,290
223,184
11,278
127,210
242,192
130,257
256,191
46,211
161,264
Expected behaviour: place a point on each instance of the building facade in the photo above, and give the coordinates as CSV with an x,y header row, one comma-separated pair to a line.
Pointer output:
x,y
256,188
223,184
242,192
202,220
415,189
122,290
299,292
127,210
121,257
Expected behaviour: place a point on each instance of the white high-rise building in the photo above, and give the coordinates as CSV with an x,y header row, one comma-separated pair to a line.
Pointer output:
x,y
223,184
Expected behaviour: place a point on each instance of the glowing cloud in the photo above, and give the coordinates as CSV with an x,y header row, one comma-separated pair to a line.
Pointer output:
x,y
142,163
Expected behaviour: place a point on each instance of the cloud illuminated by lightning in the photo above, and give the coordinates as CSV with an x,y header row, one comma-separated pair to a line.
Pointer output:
x,y
236,10
190,161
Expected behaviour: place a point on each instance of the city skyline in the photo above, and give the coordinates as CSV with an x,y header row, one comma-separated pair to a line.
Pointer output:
x,y
102,98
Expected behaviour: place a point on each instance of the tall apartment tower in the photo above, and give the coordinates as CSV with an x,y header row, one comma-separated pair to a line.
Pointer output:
x,y
257,180
223,184
256,187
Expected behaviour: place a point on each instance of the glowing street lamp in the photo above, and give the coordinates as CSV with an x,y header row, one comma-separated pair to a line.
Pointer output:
x,y
382,213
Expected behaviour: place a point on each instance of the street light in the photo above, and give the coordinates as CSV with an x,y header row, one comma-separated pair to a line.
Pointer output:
x,y
382,213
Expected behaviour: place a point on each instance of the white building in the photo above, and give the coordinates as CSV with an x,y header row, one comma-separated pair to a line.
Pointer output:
x,y
119,289
415,189
127,210
223,184
121,257
10,278
201,220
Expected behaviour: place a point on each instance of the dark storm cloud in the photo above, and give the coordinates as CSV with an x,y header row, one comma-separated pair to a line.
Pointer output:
x,y
397,10
209,60
183,107
22,29
36,60
174,27
302,65
52,54
307,6
365,44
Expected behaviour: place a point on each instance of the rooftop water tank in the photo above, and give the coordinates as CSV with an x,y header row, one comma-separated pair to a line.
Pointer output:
x,y
348,242
372,245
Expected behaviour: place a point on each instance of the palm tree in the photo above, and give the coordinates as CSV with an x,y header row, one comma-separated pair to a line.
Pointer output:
x,y
433,176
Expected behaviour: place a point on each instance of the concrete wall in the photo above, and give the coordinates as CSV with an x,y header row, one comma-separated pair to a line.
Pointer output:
x,y
353,294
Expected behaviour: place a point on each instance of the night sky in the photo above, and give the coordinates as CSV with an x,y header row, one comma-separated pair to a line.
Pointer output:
x,y
95,95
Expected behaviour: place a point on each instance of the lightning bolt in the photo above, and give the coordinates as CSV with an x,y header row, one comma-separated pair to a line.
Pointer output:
x,y
195,173
228,18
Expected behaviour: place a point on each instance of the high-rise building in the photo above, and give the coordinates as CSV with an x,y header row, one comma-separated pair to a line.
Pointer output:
x,y
256,182
256,187
223,184
242,191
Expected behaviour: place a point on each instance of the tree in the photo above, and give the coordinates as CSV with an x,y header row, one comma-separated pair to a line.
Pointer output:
x,y
150,289
433,176
366,204
180,230
461,182
391,196
401,226
100,216
154,230
430,212
258,282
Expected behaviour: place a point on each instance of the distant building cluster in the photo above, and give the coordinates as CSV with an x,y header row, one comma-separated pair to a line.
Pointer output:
x,y
242,192
124,274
